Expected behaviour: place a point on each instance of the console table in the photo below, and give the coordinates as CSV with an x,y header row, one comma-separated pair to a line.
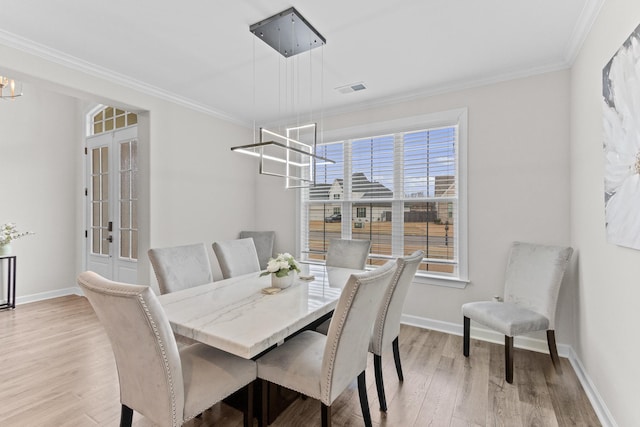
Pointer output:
x,y
11,281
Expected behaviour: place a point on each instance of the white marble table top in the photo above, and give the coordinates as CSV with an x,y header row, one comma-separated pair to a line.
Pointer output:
x,y
234,314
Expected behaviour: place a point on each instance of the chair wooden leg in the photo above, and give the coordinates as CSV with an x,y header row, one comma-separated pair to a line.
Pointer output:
x,y
126,416
396,358
466,336
364,401
553,350
325,412
248,413
377,368
508,358
264,416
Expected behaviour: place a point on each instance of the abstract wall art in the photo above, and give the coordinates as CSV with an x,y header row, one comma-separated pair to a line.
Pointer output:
x,y
621,126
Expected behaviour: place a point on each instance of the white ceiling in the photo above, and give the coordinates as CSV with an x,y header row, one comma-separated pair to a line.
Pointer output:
x,y
201,53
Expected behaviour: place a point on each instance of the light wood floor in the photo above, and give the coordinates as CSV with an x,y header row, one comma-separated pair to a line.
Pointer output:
x,y
57,369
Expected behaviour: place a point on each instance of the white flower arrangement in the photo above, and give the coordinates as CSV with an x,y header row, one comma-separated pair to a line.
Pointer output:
x,y
9,232
281,266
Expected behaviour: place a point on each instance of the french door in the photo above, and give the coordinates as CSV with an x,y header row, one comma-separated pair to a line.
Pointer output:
x,y
111,195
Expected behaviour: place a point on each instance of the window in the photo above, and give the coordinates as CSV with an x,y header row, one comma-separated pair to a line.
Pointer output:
x,y
110,118
128,200
403,189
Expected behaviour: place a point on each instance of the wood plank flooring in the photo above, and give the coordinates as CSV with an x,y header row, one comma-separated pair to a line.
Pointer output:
x,y
57,370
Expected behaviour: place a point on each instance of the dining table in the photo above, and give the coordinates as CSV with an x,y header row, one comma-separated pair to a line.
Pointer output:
x,y
238,316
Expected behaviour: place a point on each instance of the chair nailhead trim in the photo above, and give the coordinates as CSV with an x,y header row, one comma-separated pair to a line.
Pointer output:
x,y
164,358
326,392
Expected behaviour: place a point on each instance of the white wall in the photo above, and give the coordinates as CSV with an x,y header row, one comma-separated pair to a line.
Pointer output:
x,y
275,210
201,191
518,181
192,187
39,163
518,175
608,276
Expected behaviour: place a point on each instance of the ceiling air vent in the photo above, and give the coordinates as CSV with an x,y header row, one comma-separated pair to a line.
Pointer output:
x,y
353,87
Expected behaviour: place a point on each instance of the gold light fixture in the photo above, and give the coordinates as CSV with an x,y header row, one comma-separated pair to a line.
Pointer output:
x,y
9,88
290,154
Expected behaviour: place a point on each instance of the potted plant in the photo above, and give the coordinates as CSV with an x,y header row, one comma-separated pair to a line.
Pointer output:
x,y
9,232
282,270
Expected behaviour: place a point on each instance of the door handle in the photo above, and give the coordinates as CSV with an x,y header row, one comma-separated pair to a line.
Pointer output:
x,y
109,239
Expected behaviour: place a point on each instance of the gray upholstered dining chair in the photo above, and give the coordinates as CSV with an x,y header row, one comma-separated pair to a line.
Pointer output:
x,y
386,328
348,253
181,267
167,385
236,257
264,241
532,282
322,367
345,253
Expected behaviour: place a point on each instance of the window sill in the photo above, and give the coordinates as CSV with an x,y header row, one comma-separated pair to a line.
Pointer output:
x,y
447,282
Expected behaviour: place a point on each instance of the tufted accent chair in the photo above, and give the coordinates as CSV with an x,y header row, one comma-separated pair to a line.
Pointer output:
x,y
532,282
322,367
237,257
166,385
264,241
347,253
387,324
181,267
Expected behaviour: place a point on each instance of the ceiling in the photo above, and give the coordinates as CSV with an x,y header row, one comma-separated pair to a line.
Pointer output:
x,y
200,53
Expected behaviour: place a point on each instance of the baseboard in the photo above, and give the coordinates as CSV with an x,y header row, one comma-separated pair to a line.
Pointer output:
x,y
600,408
48,295
528,343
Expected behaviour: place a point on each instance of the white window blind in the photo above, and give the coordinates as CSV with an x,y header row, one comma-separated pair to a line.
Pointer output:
x,y
431,197
372,164
400,190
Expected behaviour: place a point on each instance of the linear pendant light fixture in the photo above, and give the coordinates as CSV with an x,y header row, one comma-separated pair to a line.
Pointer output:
x,y
291,154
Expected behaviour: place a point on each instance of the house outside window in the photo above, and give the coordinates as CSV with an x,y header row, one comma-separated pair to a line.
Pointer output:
x,y
404,190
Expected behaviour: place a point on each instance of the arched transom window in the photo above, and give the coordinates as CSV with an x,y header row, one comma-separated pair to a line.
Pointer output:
x,y
110,118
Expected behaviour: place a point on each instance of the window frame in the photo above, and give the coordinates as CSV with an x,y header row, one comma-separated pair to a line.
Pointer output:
x,y
455,117
117,119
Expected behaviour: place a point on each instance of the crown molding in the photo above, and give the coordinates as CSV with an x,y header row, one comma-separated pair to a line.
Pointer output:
x,y
49,54
447,88
587,18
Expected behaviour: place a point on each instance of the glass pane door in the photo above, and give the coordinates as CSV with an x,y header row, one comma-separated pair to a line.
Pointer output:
x,y
99,199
